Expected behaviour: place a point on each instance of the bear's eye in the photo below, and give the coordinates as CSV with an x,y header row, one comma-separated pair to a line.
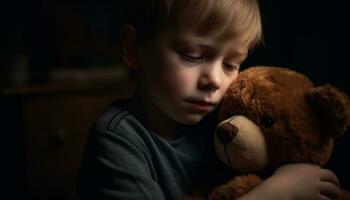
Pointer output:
x,y
266,122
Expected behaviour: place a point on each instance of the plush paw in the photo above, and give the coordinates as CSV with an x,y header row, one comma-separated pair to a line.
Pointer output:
x,y
236,188
344,195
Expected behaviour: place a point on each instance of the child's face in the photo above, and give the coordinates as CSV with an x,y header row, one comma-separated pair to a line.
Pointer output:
x,y
184,75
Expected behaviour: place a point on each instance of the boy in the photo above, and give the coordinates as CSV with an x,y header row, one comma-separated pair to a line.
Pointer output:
x,y
185,54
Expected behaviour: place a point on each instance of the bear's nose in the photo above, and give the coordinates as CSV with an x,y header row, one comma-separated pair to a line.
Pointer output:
x,y
226,132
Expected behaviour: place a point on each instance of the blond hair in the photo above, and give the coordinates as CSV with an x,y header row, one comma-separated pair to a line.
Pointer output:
x,y
226,18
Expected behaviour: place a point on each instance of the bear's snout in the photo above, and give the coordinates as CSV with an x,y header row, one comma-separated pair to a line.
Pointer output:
x,y
240,143
226,132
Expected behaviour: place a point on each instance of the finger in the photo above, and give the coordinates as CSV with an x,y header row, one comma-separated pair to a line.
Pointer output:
x,y
329,176
322,197
329,190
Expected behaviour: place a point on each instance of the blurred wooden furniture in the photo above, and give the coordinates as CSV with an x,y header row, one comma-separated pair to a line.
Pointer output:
x,y
46,127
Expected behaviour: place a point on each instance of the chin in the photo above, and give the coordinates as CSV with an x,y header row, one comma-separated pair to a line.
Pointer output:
x,y
190,119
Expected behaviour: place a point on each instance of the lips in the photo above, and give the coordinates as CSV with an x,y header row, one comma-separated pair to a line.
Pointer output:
x,y
199,104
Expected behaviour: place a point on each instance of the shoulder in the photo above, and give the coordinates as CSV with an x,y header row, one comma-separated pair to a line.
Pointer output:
x,y
118,137
117,122
111,116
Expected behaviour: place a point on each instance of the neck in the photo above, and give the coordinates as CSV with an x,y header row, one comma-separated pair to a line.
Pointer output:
x,y
153,118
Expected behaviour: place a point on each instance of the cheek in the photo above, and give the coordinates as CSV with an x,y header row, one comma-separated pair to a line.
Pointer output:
x,y
176,79
229,80
178,82
226,83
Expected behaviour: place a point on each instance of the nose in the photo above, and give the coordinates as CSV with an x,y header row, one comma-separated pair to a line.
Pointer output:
x,y
226,132
210,78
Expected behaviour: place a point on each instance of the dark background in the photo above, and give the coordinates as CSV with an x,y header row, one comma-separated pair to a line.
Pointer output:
x,y
39,36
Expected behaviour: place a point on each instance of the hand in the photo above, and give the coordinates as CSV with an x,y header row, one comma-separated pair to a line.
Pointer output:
x,y
298,182
306,181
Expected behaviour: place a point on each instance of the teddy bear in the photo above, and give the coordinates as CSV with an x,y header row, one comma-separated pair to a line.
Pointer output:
x,y
273,116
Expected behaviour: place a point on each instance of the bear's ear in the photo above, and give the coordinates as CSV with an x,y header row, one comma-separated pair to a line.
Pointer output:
x,y
332,107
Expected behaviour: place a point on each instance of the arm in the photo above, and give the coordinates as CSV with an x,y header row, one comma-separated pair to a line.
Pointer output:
x,y
297,182
116,168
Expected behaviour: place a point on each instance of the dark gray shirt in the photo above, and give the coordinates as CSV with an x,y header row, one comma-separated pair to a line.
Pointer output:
x,y
123,160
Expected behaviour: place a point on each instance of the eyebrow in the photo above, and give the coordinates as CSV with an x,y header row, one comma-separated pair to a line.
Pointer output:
x,y
208,46
238,55
242,55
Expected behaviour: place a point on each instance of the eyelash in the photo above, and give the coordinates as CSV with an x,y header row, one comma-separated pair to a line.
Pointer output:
x,y
191,58
231,67
199,58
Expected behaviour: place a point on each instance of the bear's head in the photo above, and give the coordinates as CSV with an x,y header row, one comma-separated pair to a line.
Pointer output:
x,y
272,116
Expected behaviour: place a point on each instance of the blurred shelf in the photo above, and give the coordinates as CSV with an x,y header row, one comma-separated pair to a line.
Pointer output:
x,y
76,81
46,126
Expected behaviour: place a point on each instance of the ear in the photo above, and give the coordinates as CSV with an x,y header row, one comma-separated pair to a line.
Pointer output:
x,y
333,108
129,44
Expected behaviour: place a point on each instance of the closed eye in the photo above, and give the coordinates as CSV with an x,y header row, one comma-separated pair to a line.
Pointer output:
x,y
191,57
231,66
